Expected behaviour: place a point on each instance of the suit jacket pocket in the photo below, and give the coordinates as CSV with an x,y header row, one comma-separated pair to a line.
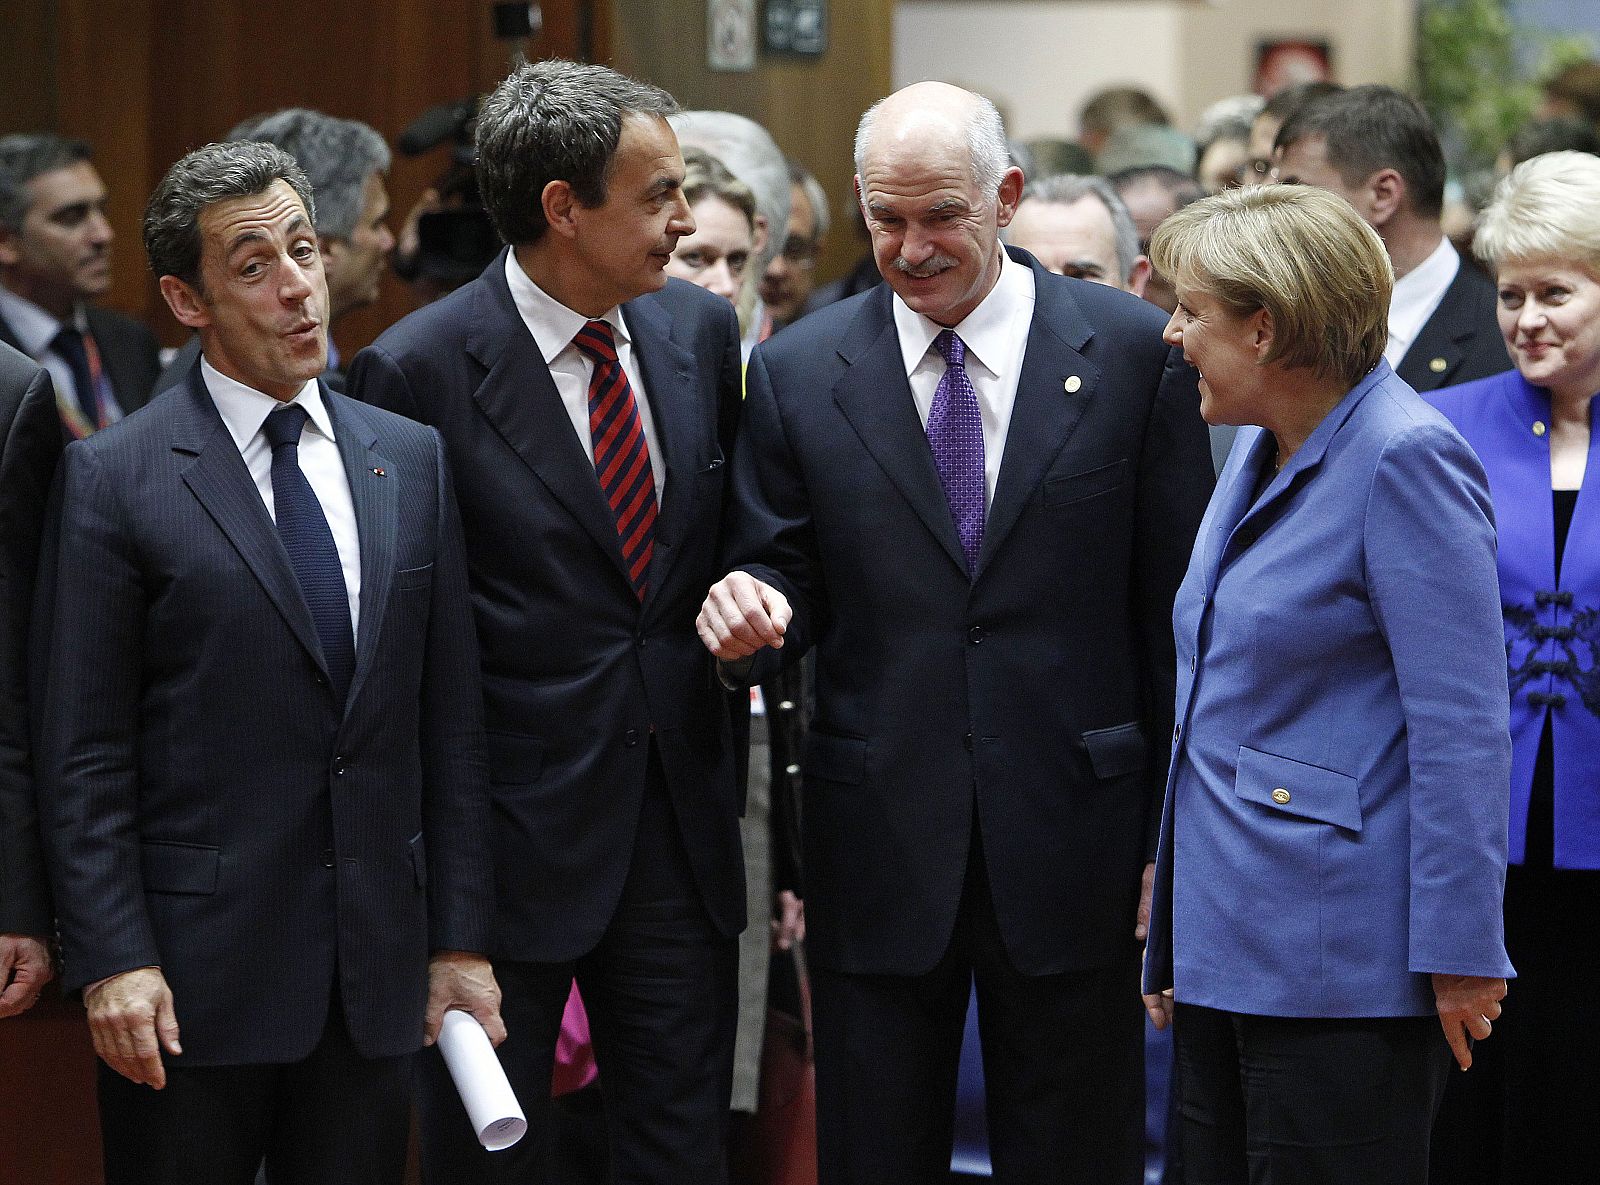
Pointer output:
x,y
835,758
419,860
170,866
1118,750
1063,491
515,759
1295,788
414,577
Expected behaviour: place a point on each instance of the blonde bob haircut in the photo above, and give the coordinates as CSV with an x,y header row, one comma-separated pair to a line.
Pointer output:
x,y
1548,207
1300,253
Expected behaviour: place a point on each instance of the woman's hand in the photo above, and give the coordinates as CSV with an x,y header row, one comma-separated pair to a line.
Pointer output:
x,y
1467,1004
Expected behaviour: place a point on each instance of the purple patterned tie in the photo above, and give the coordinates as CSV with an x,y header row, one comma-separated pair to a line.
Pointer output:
x,y
955,430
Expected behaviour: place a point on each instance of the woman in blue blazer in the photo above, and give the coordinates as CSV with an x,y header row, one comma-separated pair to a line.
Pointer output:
x,y
1530,1116
1326,925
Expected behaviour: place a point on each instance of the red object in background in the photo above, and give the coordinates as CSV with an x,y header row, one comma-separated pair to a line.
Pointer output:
x,y
49,1121
1282,64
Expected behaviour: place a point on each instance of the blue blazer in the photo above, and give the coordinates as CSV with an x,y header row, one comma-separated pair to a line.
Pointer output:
x,y
1334,826
1552,628
208,805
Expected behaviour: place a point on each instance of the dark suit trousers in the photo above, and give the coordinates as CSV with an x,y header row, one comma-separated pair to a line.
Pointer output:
x,y
1268,1100
335,1118
1062,1063
660,993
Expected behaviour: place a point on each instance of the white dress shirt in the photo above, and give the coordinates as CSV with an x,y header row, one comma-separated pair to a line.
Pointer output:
x,y
553,326
36,330
1416,296
996,336
244,410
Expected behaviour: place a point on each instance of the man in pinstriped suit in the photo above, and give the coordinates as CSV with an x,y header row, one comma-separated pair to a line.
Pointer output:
x,y
261,768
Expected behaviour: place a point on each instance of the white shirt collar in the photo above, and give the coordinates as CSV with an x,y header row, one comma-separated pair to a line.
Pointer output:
x,y
35,328
1417,294
984,331
552,323
244,409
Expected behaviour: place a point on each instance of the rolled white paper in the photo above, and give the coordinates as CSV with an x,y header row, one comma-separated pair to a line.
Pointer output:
x,y
490,1102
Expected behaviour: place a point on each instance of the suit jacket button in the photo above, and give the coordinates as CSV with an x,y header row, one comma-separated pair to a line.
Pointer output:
x,y
967,741
1191,663
1281,796
327,858
321,679
1177,731
631,737
975,634
339,767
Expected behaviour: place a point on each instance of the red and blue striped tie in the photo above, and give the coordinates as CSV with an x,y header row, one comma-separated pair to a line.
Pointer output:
x,y
621,454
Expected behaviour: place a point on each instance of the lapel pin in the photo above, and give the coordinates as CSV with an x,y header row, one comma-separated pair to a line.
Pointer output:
x,y
1438,365
379,473
1072,384
1538,427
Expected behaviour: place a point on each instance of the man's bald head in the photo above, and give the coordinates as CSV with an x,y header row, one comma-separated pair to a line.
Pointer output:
x,y
939,116
935,185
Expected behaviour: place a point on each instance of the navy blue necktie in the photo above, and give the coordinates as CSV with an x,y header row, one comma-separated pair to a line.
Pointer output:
x,y
69,344
306,537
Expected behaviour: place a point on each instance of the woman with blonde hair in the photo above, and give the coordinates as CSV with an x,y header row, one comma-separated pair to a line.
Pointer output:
x,y
1529,1116
1325,930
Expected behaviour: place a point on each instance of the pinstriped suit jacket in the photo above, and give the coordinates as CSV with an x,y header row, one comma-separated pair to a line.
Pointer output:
x,y
30,443
207,806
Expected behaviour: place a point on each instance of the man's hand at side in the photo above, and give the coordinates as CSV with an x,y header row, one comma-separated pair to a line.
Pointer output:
x,y
24,970
132,1020
741,615
466,982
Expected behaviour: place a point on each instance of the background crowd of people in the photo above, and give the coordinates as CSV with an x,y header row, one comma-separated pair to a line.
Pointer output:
x,y
852,679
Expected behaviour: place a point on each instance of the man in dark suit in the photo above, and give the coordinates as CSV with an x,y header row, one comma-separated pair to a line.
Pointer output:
x,y
974,491
30,443
261,752
587,403
346,162
55,258
1376,148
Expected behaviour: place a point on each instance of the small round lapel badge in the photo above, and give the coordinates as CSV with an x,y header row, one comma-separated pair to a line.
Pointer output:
x,y
1538,427
1438,365
1073,384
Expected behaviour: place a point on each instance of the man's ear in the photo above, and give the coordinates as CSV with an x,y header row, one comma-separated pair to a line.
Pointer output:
x,y
763,231
1385,194
329,246
10,254
1139,276
1009,196
187,305
560,206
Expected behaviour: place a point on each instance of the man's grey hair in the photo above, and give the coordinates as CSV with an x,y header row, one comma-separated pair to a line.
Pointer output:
x,y
750,154
338,155
815,194
987,148
25,156
1066,189
554,121
208,175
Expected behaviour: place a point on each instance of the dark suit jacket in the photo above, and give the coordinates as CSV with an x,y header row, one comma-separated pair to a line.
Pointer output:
x,y
1039,694
128,351
30,443
1461,342
577,673
207,805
